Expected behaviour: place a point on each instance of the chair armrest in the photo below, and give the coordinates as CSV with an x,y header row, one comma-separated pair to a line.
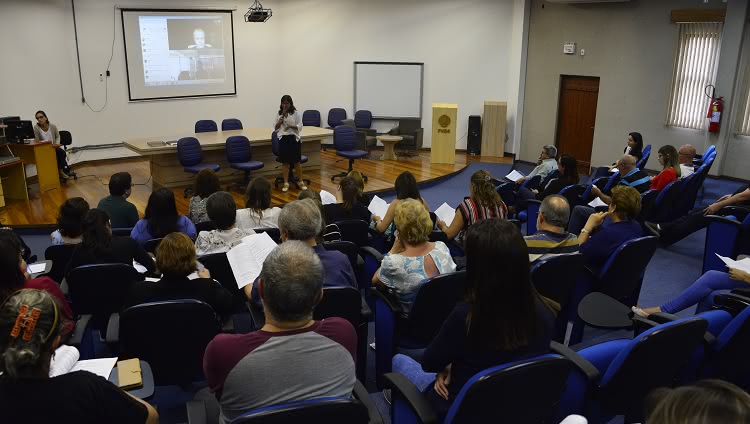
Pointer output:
x,y
113,329
196,412
587,368
365,313
77,337
389,300
724,218
663,318
738,211
734,302
404,389
371,251
360,393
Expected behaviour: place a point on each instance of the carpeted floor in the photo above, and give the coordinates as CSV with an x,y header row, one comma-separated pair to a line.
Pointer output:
x,y
670,271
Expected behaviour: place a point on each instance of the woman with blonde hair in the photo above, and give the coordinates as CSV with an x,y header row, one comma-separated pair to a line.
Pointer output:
x,y
29,335
707,401
413,258
669,161
483,203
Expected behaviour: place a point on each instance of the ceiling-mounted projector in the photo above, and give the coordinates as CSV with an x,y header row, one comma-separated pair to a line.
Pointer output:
x,y
257,13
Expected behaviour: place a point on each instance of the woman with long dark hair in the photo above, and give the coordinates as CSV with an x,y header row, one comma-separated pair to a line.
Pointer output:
x,y
483,203
568,167
503,318
288,126
29,394
406,188
258,212
98,246
161,218
206,184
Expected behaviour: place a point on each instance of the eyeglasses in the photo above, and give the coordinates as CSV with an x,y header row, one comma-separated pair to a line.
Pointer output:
x,y
39,117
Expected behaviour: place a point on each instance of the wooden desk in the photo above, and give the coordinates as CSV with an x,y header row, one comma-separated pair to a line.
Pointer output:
x,y
42,154
166,170
13,177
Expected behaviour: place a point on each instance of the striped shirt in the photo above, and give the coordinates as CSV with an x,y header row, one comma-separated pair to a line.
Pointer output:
x,y
473,213
547,243
637,179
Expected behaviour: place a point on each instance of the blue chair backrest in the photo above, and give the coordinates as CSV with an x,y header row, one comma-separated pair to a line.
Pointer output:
x,y
532,213
721,238
732,347
321,410
344,138
644,157
707,153
551,176
206,125
230,124
335,116
363,119
311,118
555,277
238,149
275,144
433,304
532,182
654,358
189,151
611,181
622,275
573,193
523,391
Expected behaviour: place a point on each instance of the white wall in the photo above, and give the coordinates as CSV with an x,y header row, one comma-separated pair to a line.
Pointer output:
x,y
630,46
307,49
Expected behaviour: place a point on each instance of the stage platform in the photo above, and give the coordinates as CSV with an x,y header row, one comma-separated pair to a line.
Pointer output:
x,y
41,208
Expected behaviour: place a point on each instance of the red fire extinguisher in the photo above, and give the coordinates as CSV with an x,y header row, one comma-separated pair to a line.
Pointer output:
x,y
714,114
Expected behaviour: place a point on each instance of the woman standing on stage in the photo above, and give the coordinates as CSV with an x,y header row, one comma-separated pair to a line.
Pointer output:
x,y
288,126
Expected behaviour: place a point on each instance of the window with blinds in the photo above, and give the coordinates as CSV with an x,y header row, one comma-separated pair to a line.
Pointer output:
x,y
743,120
694,69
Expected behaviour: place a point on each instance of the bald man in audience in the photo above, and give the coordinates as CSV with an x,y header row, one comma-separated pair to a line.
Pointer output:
x,y
685,156
551,238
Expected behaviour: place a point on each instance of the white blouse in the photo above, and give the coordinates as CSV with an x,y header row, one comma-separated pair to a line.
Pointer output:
x,y
292,120
248,219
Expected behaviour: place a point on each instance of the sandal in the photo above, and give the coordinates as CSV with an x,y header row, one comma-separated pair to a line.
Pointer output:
x,y
285,187
302,186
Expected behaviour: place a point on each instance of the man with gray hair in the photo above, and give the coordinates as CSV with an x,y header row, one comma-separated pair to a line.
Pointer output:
x,y
547,164
551,238
292,357
300,220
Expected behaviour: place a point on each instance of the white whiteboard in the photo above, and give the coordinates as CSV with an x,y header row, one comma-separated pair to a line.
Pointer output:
x,y
389,90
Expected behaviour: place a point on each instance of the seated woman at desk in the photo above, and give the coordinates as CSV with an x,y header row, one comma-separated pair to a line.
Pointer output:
x,y
46,131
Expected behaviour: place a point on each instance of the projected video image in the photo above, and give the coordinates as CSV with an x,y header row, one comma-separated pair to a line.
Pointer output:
x,y
182,50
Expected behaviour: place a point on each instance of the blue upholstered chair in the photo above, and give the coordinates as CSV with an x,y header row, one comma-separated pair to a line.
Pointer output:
x,y
526,391
573,194
434,302
644,157
620,277
231,124
614,377
661,209
335,116
206,125
311,118
363,119
190,155
530,215
704,156
723,237
355,409
291,178
344,141
240,156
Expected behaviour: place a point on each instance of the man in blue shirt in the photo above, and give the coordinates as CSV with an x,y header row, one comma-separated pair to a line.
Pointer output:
x,y
301,220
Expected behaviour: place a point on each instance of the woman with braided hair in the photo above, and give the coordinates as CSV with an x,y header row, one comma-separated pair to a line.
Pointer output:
x,y
29,334
483,203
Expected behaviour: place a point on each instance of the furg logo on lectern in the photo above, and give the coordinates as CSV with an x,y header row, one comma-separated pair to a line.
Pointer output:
x,y
444,121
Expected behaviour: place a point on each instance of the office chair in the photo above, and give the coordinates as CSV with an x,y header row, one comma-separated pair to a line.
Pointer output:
x,y
190,155
240,156
206,125
66,140
311,118
335,116
556,278
231,124
344,141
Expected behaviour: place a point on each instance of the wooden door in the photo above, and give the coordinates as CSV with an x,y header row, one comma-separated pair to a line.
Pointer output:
x,y
576,118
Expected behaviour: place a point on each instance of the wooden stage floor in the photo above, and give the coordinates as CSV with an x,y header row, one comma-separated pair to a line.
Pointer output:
x,y
41,209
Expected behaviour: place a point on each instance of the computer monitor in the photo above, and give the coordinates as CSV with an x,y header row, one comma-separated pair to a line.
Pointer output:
x,y
18,131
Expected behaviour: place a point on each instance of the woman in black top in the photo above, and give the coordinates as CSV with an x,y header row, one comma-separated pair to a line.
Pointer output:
x,y
503,319
29,395
99,247
568,166
175,258
350,208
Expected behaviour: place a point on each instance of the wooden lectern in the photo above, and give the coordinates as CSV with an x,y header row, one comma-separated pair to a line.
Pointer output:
x,y
443,148
493,129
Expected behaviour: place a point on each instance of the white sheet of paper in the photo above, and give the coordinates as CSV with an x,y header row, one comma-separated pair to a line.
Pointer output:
x,y
378,206
64,359
101,367
613,170
246,259
39,267
597,202
152,279
327,198
742,264
446,213
514,175
686,170
138,267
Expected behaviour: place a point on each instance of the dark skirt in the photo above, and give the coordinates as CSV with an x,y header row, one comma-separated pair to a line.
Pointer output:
x,y
290,150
